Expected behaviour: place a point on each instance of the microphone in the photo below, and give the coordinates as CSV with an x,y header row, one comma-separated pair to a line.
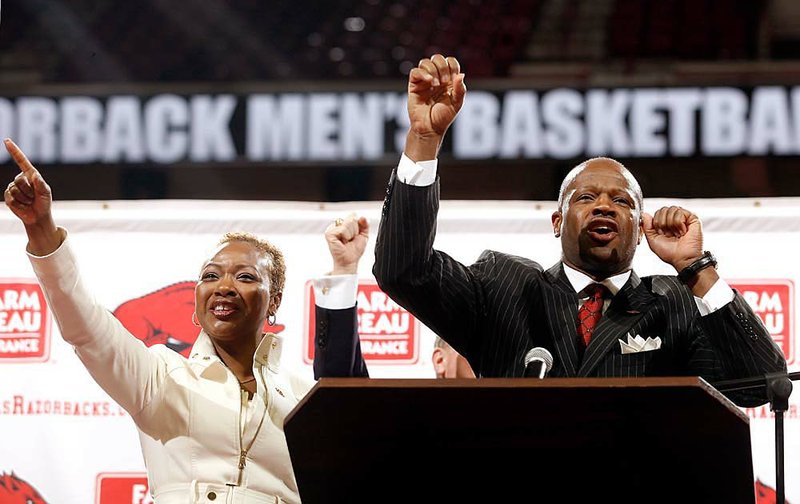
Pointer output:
x,y
538,361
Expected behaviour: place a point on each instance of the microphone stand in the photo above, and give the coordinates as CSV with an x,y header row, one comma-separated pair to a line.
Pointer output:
x,y
779,388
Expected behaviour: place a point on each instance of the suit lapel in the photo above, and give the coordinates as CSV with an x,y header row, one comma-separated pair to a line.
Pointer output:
x,y
562,314
628,306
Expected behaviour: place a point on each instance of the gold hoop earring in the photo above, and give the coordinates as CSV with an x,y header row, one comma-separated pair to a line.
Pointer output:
x,y
195,322
271,319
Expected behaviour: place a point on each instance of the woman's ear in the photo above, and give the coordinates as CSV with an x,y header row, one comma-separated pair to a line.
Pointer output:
x,y
274,303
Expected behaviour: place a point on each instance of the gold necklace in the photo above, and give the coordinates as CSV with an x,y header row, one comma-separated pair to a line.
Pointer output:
x,y
243,388
242,450
241,382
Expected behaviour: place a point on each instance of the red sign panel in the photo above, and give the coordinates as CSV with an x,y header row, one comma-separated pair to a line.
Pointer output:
x,y
24,321
114,488
389,334
773,302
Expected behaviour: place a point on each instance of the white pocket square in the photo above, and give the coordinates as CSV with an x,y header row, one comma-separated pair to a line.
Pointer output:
x,y
639,344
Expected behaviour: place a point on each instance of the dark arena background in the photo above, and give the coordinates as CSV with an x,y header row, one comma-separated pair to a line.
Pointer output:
x,y
212,99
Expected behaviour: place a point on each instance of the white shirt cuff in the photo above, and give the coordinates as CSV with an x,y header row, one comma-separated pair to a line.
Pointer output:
x,y
717,296
420,173
335,292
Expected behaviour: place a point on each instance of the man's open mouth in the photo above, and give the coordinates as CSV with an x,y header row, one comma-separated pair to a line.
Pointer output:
x,y
602,230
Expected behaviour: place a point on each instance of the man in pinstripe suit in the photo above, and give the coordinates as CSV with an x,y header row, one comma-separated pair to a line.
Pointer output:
x,y
498,308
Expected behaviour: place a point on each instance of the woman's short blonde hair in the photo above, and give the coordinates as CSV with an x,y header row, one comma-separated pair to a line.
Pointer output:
x,y
276,266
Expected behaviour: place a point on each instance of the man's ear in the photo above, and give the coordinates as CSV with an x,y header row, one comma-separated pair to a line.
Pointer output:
x,y
438,362
641,231
556,220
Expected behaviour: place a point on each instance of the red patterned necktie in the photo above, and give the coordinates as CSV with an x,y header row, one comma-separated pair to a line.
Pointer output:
x,y
590,312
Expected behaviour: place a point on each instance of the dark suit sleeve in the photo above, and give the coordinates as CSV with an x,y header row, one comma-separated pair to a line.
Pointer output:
x,y
441,292
741,348
337,348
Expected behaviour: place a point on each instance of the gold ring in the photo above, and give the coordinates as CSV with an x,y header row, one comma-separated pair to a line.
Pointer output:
x,y
338,222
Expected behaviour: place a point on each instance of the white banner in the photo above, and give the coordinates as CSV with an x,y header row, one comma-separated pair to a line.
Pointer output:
x,y
65,438
369,126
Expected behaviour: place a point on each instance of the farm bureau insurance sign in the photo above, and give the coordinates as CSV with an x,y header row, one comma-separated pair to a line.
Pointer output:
x,y
367,126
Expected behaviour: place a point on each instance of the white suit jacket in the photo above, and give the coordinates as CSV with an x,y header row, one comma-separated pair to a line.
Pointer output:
x,y
187,411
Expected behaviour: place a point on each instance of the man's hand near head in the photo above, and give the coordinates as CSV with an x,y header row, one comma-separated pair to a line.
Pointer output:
x,y
675,235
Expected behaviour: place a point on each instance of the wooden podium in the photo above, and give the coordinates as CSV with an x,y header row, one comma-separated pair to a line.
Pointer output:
x,y
571,440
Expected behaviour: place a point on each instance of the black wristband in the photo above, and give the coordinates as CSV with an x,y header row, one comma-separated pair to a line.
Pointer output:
x,y
705,260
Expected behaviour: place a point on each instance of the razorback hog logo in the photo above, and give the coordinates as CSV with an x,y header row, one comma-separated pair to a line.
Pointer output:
x,y
765,494
14,490
165,317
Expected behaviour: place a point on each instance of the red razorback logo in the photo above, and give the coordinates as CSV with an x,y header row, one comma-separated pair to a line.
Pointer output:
x,y
14,490
765,494
165,317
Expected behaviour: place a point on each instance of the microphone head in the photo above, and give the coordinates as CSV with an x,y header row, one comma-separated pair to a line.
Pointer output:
x,y
542,354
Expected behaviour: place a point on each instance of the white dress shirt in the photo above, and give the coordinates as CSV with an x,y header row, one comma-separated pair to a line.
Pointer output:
x,y
335,292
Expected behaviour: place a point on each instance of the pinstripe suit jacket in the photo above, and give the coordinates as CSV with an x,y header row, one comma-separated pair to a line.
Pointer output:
x,y
498,308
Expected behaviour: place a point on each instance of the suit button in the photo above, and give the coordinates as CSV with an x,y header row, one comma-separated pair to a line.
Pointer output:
x,y
212,496
322,342
323,324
